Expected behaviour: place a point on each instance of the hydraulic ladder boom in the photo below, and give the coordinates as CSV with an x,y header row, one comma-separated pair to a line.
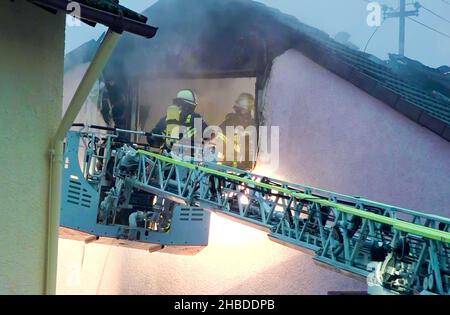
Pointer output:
x,y
344,232
400,251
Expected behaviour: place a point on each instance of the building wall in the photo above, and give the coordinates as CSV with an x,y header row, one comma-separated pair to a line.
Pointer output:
x,y
333,136
336,137
238,260
31,69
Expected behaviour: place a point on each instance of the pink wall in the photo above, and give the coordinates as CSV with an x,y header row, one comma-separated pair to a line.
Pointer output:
x,y
336,137
238,260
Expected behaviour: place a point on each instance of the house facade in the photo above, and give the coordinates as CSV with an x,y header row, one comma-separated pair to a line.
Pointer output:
x,y
32,129
348,123
31,89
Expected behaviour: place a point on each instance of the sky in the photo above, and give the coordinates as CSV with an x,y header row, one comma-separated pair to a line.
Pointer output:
x,y
333,16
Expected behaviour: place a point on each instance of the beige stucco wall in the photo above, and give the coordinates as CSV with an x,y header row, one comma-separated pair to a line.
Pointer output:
x,y
31,69
335,136
238,260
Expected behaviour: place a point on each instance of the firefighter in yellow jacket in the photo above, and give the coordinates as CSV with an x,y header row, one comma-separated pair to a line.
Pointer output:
x,y
180,114
241,144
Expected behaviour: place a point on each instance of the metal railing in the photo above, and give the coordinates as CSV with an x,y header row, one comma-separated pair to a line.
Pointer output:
x,y
345,232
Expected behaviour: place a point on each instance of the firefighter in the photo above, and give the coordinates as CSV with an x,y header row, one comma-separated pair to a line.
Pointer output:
x,y
242,115
240,118
180,113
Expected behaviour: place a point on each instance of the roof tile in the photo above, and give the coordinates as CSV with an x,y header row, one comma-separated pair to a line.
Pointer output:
x,y
432,123
385,95
409,110
363,81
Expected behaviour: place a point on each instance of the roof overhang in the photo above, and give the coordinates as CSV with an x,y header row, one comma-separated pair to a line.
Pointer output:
x,y
92,15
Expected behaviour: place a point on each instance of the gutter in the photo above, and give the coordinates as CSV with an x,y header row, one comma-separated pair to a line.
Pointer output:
x,y
94,71
92,15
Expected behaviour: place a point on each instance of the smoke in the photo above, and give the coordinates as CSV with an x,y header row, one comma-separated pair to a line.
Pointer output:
x,y
208,39
90,113
215,96
200,39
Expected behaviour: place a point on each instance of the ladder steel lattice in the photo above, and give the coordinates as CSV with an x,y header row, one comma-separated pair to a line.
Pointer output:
x,y
343,231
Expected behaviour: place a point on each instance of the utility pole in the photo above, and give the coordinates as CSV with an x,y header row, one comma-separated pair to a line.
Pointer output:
x,y
402,14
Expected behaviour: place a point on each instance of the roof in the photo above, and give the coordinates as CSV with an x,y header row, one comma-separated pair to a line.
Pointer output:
x,y
424,102
113,6
209,38
83,54
107,12
240,38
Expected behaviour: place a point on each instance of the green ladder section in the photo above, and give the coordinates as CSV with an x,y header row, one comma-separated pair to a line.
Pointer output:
x,y
400,225
347,233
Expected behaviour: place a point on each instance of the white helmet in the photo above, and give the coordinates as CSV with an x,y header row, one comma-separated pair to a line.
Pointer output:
x,y
188,96
245,101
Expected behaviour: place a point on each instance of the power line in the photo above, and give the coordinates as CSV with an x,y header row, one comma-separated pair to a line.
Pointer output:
x,y
435,14
376,29
430,28
373,34
402,13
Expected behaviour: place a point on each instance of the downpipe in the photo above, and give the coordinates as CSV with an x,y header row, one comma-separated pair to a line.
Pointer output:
x,y
96,67
56,166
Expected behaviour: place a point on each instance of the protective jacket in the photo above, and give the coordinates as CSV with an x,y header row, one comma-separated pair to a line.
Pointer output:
x,y
168,125
241,151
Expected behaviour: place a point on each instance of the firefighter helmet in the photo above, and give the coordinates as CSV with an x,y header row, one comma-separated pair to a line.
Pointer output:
x,y
245,101
188,96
